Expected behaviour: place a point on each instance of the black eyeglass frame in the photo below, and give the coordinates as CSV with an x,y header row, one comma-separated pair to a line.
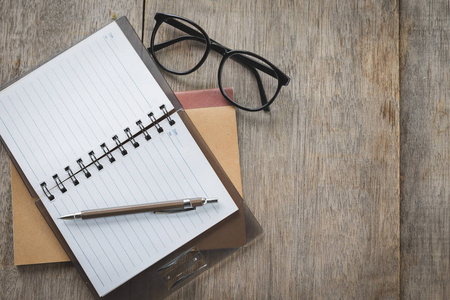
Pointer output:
x,y
238,55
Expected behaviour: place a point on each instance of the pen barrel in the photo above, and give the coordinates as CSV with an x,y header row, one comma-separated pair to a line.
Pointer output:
x,y
132,209
196,202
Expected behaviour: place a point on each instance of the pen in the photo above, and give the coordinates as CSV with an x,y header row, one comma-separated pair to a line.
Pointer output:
x,y
166,206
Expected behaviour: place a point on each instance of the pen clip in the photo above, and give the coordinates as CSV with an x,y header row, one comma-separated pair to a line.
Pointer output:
x,y
173,210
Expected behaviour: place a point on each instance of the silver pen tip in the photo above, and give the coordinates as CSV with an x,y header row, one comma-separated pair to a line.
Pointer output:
x,y
210,200
66,217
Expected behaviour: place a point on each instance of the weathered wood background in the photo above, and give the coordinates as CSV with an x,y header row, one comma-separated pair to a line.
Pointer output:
x,y
425,150
349,174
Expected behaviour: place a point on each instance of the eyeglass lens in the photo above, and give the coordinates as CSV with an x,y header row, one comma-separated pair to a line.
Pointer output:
x,y
178,51
252,87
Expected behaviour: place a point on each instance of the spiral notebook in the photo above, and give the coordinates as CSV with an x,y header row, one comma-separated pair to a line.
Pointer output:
x,y
215,119
97,126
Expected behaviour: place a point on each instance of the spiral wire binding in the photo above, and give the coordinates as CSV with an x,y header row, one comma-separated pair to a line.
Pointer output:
x,y
95,160
46,191
153,119
120,145
131,138
143,130
83,168
108,152
60,185
71,175
166,114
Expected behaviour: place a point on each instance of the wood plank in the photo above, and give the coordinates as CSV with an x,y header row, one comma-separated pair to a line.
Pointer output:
x,y
320,171
425,149
30,33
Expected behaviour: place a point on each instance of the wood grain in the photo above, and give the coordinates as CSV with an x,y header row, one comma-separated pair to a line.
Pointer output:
x,y
425,150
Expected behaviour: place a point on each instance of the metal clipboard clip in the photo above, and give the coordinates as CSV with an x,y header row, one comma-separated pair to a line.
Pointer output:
x,y
182,267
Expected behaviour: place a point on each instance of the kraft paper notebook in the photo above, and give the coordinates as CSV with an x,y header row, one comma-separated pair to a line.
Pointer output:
x,y
98,126
215,119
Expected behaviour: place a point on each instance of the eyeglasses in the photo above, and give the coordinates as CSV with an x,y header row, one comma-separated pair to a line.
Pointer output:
x,y
180,47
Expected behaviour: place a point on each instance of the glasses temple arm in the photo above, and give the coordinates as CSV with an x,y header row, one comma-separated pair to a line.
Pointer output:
x,y
185,28
161,46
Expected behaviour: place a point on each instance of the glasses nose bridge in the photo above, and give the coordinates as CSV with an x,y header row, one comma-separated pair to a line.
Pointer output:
x,y
219,48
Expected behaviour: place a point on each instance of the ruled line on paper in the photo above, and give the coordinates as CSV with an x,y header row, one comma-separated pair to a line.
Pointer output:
x,y
112,114
19,149
40,126
106,236
124,69
69,125
76,242
31,137
114,67
30,128
112,85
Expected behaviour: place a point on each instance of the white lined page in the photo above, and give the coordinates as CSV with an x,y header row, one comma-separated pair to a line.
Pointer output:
x,y
167,167
74,103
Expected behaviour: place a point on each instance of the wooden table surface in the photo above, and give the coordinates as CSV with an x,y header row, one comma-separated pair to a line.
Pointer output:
x,y
349,175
